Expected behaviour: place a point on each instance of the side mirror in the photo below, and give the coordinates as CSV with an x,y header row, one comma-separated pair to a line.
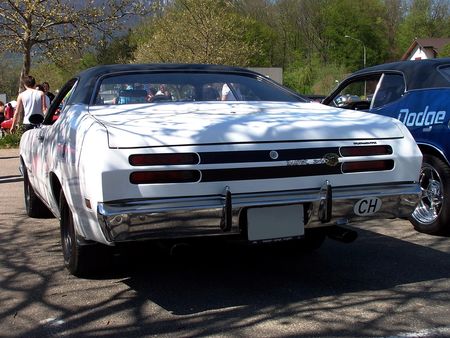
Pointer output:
x,y
36,119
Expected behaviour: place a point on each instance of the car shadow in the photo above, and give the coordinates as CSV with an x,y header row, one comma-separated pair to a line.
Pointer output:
x,y
220,275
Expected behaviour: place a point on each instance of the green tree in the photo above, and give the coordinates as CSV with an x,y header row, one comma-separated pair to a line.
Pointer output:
x,y
117,50
445,52
57,73
275,45
50,72
198,31
8,79
424,19
361,20
314,77
393,16
54,27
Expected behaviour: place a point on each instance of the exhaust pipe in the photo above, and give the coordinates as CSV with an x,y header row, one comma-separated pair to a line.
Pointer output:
x,y
341,234
180,249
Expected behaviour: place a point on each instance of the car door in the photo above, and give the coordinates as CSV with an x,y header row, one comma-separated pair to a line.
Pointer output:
x,y
354,93
374,92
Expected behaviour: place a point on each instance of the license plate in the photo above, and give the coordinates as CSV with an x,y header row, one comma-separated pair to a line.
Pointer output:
x,y
267,223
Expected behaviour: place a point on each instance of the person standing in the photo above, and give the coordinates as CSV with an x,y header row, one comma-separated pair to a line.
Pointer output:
x,y
29,102
47,92
229,94
2,111
47,99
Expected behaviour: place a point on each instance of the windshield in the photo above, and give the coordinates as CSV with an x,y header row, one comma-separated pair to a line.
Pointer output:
x,y
188,86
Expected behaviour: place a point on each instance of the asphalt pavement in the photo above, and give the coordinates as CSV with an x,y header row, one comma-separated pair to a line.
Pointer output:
x,y
391,282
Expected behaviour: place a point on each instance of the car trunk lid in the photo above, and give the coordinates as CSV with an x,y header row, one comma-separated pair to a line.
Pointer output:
x,y
170,124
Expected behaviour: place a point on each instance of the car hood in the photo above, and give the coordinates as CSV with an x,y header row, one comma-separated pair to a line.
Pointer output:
x,y
170,124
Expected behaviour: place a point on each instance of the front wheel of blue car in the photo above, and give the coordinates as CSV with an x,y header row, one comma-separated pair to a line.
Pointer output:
x,y
432,214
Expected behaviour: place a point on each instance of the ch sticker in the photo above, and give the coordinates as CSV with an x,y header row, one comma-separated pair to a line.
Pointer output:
x,y
367,206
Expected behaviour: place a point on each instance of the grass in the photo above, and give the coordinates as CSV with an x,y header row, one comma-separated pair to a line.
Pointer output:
x,y
10,140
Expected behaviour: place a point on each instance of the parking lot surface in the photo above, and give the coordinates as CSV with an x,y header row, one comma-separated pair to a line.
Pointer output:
x,y
391,282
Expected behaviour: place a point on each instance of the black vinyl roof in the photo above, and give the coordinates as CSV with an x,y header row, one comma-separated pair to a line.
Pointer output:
x,y
105,69
418,74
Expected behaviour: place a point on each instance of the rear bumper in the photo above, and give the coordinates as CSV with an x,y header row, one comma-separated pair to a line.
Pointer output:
x,y
225,214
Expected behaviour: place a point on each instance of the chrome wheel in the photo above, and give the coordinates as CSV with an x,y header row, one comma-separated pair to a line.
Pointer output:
x,y
432,215
430,204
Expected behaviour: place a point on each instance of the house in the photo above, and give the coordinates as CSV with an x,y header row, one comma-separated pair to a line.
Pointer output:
x,y
427,48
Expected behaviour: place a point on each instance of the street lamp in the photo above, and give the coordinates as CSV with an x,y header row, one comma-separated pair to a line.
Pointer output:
x,y
364,60
364,48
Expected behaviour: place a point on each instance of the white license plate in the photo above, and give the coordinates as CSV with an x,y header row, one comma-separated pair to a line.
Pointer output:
x,y
265,223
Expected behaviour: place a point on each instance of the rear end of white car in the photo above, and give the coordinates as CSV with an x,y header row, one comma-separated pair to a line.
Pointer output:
x,y
173,184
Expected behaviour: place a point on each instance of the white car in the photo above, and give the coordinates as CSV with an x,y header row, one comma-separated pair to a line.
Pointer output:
x,y
117,163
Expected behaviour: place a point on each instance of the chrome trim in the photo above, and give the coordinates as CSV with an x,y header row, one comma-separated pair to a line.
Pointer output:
x,y
431,202
201,215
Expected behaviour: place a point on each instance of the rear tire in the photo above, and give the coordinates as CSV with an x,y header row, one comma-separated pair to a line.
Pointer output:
x,y
80,259
432,214
33,205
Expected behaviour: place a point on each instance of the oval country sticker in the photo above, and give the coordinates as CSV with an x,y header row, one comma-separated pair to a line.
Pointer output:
x,y
367,206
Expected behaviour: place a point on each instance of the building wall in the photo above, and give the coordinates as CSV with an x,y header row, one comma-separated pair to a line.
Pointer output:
x,y
420,54
274,73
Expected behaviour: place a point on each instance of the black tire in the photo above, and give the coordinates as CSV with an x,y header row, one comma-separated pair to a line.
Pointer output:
x,y
33,205
82,260
432,215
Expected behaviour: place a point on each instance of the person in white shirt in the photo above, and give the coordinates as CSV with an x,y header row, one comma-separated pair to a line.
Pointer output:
x,y
227,93
29,102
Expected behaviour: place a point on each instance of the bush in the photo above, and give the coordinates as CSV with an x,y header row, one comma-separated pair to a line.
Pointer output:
x,y
10,140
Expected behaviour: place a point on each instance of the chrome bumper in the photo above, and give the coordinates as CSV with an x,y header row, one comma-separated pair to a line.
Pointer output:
x,y
222,214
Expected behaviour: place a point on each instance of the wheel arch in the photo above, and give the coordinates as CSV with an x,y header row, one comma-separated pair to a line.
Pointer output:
x,y
432,150
23,166
56,187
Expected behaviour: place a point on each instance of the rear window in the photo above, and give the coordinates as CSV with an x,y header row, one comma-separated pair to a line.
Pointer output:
x,y
188,86
445,70
390,89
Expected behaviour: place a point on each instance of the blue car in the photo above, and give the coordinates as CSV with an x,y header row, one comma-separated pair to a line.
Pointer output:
x,y
418,94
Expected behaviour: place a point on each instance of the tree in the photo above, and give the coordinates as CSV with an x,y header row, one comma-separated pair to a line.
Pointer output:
x,y
393,17
53,27
360,20
8,80
198,31
118,50
445,52
277,18
425,19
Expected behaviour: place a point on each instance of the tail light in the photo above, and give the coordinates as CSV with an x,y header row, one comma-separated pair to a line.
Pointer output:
x,y
163,159
366,150
361,166
167,176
